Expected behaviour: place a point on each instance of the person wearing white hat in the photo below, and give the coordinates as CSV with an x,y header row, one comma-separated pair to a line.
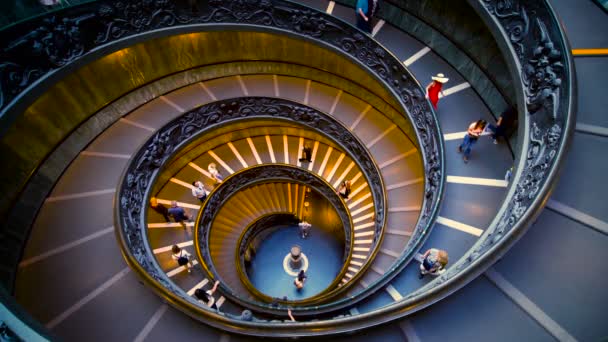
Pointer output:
x,y
433,89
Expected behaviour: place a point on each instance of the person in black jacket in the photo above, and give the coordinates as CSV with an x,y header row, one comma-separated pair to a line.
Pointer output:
x,y
306,154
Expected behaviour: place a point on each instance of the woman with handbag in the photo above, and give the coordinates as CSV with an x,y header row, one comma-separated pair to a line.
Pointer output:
x,y
182,257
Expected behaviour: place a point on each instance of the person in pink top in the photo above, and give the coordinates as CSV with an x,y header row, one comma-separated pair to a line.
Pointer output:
x,y
434,88
473,133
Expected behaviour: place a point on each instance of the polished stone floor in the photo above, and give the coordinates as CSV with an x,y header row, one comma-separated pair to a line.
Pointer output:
x,y
324,253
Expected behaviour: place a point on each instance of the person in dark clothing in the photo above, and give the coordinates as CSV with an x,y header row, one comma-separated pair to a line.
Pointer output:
x,y
299,280
306,154
178,213
206,297
344,189
365,11
503,125
159,208
182,257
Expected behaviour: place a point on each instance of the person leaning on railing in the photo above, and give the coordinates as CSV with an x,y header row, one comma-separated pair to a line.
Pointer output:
x,y
433,262
206,297
344,189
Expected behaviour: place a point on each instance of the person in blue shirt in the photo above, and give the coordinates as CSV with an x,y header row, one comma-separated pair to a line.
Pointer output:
x,y
365,11
178,213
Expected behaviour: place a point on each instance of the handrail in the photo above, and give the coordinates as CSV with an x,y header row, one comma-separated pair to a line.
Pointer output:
x,y
180,133
276,16
542,68
116,22
16,12
543,73
250,232
255,175
113,23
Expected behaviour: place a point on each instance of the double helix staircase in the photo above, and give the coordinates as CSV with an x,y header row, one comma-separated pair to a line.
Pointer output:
x,y
72,236
394,154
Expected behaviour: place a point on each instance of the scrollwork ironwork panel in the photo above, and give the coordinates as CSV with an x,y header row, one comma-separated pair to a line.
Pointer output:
x,y
182,131
269,173
61,38
534,35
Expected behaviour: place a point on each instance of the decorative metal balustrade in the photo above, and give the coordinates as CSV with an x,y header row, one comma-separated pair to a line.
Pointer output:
x,y
538,55
168,141
71,37
269,173
528,33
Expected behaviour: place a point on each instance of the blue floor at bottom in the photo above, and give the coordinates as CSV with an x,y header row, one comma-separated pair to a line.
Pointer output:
x,y
324,254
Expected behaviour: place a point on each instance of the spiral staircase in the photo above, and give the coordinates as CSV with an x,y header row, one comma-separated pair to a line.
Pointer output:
x,y
72,282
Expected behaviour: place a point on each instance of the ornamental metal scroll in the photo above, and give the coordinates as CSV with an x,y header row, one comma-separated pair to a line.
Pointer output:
x,y
143,169
40,47
547,85
265,173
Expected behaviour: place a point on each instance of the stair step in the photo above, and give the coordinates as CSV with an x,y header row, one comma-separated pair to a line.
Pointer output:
x,y
220,301
361,218
362,209
370,233
344,174
354,180
398,232
358,201
335,167
198,286
364,225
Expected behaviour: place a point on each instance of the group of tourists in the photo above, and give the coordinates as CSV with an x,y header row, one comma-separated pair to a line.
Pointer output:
x,y
365,11
178,214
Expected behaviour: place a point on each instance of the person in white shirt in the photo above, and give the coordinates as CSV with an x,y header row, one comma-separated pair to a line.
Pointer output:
x,y
182,257
304,229
215,174
199,191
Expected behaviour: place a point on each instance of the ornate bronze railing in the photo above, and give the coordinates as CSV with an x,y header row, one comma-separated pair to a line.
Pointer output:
x,y
256,231
180,133
86,31
538,54
259,174
541,66
70,38
542,69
